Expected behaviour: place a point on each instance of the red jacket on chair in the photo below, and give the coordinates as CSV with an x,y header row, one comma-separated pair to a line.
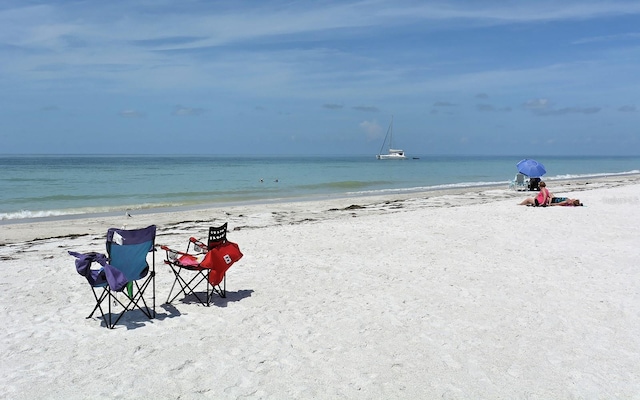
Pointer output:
x,y
219,259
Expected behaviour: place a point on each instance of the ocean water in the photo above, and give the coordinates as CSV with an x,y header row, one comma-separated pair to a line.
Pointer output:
x,y
36,186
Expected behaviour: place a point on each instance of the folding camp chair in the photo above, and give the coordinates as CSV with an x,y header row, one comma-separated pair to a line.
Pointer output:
x,y
125,268
208,263
519,182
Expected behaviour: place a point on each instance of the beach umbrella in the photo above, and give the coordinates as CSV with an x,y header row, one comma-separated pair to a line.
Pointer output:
x,y
531,168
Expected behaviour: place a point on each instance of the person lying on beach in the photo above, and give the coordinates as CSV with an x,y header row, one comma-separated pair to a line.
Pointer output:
x,y
563,201
555,199
567,202
542,199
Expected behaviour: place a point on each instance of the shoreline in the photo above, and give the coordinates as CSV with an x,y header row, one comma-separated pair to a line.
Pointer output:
x,y
115,211
16,231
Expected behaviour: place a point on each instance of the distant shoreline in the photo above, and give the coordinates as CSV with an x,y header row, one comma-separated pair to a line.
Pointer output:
x,y
14,231
442,189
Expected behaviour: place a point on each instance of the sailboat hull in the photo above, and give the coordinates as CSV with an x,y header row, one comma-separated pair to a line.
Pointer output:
x,y
399,155
394,154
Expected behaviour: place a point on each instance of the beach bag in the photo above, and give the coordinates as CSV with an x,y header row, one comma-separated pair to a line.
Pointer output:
x,y
219,259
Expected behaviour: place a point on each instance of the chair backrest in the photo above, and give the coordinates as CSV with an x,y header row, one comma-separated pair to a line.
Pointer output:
x,y
217,235
520,179
128,250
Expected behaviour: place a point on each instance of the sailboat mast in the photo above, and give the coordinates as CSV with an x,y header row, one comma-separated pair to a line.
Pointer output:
x,y
388,135
391,134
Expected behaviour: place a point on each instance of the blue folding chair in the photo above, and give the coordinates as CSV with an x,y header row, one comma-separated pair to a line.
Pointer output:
x,y
125,269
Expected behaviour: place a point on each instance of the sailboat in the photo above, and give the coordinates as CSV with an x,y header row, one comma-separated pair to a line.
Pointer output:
x,y
392,154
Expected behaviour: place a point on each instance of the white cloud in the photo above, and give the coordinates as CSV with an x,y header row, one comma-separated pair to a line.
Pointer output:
x,y
536,104
608,38
372,129
131,114
543,107
366,108
187,111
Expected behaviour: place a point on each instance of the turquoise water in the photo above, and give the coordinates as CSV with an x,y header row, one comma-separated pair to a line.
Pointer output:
x,y
41,186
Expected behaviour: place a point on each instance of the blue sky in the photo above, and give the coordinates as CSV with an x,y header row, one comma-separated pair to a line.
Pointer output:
x,y
323,77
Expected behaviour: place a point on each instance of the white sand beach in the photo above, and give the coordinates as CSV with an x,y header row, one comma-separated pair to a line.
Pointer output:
x,y
456,295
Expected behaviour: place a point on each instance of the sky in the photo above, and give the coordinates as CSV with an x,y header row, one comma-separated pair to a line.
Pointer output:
x,y
272,77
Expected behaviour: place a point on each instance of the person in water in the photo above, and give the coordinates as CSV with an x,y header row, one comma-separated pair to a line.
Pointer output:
x,y
543,198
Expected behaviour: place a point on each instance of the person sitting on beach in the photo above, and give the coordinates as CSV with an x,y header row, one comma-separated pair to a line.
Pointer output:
x,y
542,199
567,202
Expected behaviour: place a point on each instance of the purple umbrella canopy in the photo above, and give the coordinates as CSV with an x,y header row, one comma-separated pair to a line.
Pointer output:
x,y
531,168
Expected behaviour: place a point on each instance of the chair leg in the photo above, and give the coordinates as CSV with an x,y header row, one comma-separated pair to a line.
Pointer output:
x,y
137,301
138,297
220,290
104,296
188,287
99,300
177,276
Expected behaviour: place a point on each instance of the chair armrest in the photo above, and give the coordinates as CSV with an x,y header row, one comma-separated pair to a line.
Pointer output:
x,y
198,245
173,255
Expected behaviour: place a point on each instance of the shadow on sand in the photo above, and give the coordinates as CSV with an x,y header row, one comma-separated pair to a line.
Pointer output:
x,y
217,300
